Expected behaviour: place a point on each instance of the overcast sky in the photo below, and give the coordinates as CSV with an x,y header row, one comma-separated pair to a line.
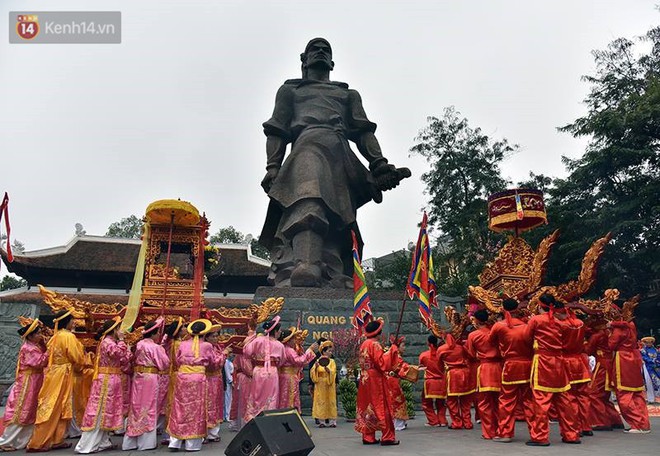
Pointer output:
x,y
93,133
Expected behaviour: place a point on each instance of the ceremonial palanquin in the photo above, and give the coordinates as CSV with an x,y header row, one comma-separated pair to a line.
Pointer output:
x,y
169,281
517,271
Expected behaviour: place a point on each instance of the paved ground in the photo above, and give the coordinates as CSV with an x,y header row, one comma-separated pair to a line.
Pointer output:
x,y
421,440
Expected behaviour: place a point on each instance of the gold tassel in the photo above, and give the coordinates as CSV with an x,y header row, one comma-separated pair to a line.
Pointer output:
x,y
195,346
96,361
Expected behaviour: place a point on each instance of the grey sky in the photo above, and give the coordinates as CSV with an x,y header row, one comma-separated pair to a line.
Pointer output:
x,y
94,133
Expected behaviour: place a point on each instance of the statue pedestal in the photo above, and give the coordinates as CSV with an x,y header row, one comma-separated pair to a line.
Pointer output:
x,y
322,310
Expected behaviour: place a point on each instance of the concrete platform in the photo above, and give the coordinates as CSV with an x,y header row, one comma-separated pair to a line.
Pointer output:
x,y
421,440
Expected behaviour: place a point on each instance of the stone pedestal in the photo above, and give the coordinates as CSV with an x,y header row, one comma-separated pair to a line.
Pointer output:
x,y
10,341
320,310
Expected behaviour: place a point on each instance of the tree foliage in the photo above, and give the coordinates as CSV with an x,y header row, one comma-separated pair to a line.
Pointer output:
x,y
10,283
615,186
390,272
464,170
129,227
230,235
227,235
17,247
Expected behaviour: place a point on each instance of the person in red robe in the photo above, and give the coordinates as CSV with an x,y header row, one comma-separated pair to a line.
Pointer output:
x,y
374,412
489,373
578,372
550,379
434,393
627,377
509,337
603,416
397,399
460,385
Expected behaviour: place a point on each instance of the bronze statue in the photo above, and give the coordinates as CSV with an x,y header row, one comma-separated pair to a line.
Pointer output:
x,y
315,193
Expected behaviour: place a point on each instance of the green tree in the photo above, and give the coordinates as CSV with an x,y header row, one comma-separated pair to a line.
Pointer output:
x,y
615,186
259,250
129,227
390,272
464,170
10,283
227,235
17,247
230,235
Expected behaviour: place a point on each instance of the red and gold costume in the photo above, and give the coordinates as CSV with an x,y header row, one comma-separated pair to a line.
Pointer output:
x,y
515,394
434,393
602,413
397,399
578,371
550,379
489,378
627,377
374,411
460,384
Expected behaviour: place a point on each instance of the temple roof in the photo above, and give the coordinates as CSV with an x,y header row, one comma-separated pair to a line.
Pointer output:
x,y
32,296
105,262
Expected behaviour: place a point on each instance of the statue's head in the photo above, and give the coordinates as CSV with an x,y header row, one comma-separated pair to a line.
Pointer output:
x,y
318,53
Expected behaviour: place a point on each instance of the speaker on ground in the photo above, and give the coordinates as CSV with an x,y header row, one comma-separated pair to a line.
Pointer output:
x,y
273,432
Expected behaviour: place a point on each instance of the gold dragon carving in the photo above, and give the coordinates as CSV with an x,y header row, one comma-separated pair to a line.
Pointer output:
x,y
270,306
540,262
568,292
517,258
80,310
458,322
300,337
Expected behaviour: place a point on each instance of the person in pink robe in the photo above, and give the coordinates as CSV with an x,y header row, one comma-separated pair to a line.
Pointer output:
x,y
126,380
187,419
242,380
172,339
105,408
266,354
290,369
215,393
150,359
21,409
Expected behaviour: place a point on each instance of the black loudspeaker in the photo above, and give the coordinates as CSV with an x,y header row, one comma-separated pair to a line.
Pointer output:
x,y
274,432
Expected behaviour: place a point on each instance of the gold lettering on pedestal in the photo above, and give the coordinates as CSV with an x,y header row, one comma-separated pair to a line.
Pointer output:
x,y
326,320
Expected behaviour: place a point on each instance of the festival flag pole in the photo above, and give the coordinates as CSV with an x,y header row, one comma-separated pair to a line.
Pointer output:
x,y
361,301
398,325
421,280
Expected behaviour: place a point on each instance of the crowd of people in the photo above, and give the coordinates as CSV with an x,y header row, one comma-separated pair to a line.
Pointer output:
x,y
173,382
517,368
178,381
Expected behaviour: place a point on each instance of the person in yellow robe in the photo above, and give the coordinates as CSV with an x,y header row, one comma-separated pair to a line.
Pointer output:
x,y
324,375
82,386
55,406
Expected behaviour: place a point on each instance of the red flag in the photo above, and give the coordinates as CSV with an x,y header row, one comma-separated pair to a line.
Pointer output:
x,y
421,280
361,301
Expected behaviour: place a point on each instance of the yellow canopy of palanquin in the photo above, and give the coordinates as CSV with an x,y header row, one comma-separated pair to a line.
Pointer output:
x,y
180,213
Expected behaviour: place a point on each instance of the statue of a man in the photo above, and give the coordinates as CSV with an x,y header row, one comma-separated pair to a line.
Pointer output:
x,y
315,193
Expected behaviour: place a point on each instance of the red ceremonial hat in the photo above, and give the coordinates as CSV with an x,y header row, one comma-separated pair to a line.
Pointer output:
x,y
375,330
